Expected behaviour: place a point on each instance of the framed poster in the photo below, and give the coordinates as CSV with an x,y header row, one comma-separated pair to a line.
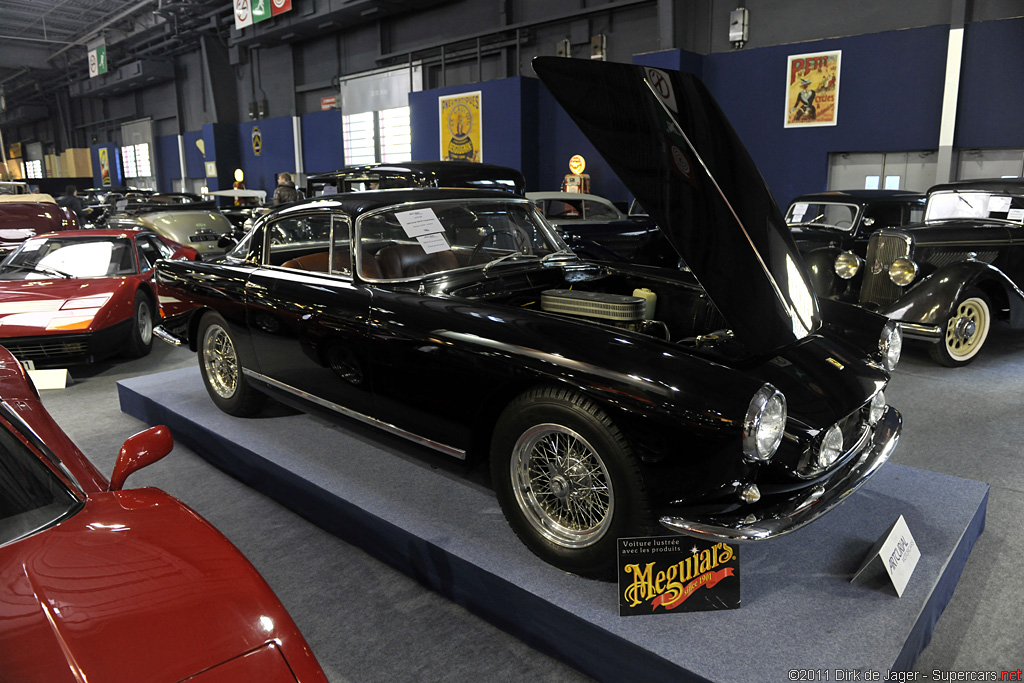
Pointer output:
x,y
461,126
812,89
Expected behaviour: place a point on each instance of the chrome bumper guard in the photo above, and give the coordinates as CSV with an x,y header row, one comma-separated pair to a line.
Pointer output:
x,y
163,335
930,333
806,506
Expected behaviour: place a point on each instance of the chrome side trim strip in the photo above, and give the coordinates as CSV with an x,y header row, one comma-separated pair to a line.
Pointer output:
x,y
366,419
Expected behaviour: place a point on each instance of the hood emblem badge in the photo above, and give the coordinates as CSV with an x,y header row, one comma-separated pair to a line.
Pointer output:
x,y
836,363
876,268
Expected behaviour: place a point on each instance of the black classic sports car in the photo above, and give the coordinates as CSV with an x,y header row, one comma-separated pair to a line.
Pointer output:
x,y
611,399
945,279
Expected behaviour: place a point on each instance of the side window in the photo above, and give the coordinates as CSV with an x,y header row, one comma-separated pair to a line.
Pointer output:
x,y
342,245
150,249
301,241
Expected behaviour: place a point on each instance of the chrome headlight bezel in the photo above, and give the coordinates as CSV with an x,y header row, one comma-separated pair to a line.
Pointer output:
x,y
847,265
902,271
764,424
890,345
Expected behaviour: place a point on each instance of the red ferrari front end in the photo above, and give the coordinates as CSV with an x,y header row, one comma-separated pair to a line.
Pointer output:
x,y
102,584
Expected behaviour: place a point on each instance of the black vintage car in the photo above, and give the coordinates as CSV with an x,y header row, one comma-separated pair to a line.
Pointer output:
x,y
945,279
595,228
417,174
734,407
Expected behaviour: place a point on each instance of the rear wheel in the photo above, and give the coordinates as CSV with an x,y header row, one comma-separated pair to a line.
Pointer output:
x,y
567,481
140,338
965,331
221,371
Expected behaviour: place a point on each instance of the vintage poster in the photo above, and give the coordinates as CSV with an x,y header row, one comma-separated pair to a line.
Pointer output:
x,y
461,123
812,89
104,166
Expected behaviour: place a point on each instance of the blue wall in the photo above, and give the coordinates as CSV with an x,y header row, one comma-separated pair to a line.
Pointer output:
x,y
992,86
276,156
193,157
323,146
890,99
168,168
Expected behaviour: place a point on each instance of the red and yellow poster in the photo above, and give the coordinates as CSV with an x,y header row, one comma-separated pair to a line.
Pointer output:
x,y
461,124
104,166
812,89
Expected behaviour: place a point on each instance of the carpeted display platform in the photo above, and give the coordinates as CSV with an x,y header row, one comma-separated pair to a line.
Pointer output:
x,y
412,509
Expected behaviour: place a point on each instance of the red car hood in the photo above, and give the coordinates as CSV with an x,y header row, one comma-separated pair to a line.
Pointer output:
x,y
35,301
134,587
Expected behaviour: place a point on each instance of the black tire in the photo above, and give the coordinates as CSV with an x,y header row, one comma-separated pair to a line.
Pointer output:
x,y
140,337
221,371
964,332
569,511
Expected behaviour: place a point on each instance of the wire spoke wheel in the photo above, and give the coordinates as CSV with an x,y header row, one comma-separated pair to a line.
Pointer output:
x,y
220,361
562,485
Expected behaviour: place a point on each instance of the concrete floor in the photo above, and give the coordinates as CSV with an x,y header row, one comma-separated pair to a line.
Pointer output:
x,y
366,621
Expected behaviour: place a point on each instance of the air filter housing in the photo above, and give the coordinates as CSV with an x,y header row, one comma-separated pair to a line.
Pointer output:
x,y
614,307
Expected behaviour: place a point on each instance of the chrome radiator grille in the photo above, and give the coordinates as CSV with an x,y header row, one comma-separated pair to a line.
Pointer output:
x,y
883,249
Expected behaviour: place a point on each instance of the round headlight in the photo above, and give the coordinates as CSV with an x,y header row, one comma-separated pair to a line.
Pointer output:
x,y
847,264
890,345
877,408
902,271
764,424
831,447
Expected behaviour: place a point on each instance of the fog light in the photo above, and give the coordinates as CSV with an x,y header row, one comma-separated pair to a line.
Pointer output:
x,y
750,494
877,409
831,447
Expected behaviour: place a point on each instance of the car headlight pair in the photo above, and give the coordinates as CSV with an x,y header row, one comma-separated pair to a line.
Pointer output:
x,y
764,424
902,271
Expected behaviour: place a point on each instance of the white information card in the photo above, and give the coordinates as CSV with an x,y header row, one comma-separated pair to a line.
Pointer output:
x,y
898,553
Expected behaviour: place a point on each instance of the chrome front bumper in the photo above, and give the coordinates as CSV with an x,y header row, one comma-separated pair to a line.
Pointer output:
x,y
930,333
804,507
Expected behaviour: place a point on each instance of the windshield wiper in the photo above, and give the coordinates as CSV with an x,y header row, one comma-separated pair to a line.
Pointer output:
x,y
49,270
509,256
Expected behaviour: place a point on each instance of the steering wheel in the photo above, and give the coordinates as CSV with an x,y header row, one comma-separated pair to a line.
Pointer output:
x,y
840,224
518,238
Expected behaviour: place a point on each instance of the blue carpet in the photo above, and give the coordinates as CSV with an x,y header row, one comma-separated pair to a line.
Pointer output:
x,y
800,610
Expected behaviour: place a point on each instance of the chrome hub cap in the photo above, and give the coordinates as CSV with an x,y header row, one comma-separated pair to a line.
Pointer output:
x,y
562,486
964,328
220,361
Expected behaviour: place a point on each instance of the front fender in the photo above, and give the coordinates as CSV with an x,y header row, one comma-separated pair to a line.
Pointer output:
x,y
820,267
932,300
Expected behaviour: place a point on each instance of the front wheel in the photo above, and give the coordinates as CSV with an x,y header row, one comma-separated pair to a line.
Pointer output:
x,y
965,332
140,338
567,481
221,371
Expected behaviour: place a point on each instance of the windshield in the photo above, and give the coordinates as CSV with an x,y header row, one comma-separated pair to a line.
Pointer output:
x,y
823,214
974,204
85,256
423,239
32,497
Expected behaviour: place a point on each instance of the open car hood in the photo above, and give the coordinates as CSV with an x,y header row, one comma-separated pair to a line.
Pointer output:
x,y
670,143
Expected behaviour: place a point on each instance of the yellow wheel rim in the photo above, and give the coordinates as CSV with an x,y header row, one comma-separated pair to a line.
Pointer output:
x,y
967,328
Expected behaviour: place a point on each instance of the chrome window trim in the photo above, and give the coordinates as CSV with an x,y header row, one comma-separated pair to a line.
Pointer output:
x,y
26,430
361,417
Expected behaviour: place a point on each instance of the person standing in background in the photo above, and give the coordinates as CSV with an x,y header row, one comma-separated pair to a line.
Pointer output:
x,y
285,191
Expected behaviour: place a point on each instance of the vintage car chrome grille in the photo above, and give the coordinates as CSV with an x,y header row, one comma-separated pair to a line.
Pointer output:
x,y
616,307
41,350
883,249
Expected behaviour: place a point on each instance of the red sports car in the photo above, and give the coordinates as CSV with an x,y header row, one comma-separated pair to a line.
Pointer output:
x,y
102,584
75,297
26,215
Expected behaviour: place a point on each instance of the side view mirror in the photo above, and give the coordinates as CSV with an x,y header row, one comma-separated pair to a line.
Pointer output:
x,y
139,451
